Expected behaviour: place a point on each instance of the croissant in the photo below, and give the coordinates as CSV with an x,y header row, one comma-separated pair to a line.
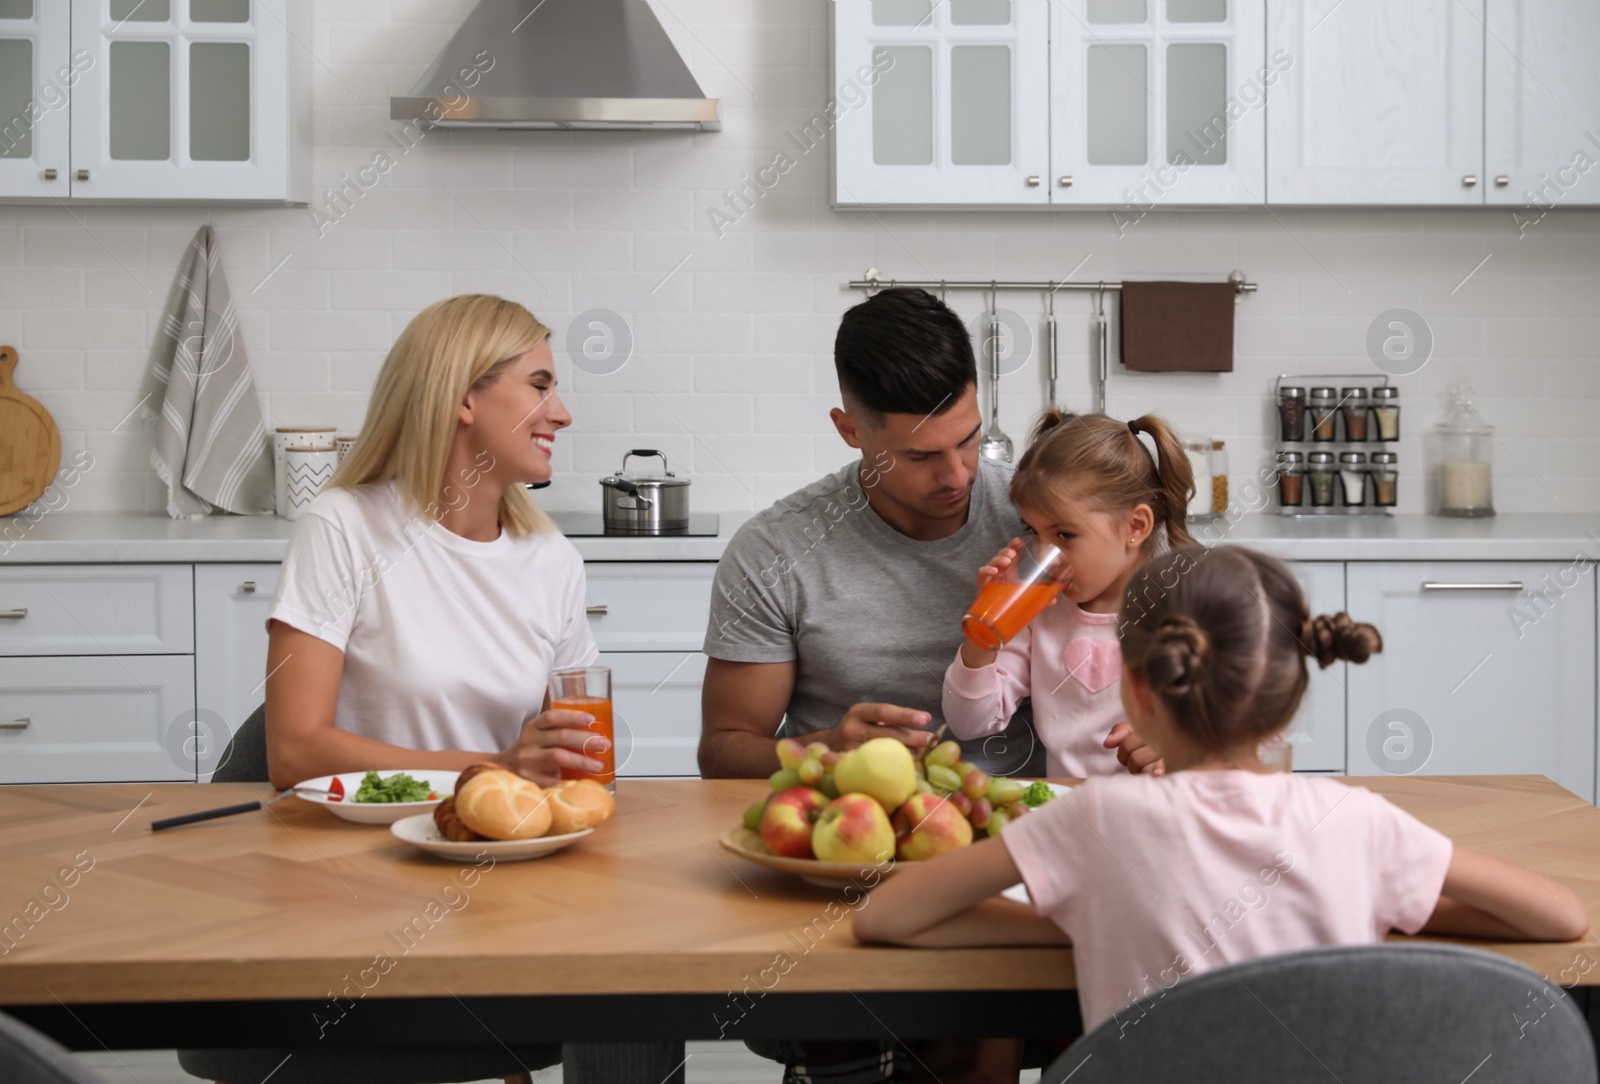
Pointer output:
x,y
450,825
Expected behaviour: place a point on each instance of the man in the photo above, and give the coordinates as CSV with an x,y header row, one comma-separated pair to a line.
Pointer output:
x,y
836,611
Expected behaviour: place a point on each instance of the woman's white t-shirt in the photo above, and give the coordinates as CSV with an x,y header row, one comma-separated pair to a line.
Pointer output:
x,y
448,643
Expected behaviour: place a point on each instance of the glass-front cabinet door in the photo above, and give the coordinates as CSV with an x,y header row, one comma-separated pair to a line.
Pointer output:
x,y
1159,102
36,78
184,99
937,102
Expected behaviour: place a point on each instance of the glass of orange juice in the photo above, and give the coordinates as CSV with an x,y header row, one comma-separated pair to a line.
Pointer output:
x,y
1018,595
588,689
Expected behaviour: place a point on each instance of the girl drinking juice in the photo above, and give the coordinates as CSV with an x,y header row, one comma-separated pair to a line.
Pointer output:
x,y
1089,486
1219,860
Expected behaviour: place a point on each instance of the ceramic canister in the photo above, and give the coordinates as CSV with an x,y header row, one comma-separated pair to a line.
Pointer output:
x,y
342,444
282,441
307,471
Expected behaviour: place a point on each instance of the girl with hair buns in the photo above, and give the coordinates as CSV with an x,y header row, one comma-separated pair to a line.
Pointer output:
x,y
1088,484
1219,860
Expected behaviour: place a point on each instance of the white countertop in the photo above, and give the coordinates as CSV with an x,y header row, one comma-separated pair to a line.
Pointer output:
x,y
111,538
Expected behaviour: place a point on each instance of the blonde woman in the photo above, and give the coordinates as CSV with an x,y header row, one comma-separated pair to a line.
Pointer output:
x,y
425,597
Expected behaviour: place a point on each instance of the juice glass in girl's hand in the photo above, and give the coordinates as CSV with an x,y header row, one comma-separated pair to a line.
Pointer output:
x,y
588,689
1018,595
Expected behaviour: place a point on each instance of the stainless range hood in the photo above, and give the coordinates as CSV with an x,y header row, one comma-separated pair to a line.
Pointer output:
x,y
563,64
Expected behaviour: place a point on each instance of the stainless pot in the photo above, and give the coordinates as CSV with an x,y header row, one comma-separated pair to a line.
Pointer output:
x,y
644,503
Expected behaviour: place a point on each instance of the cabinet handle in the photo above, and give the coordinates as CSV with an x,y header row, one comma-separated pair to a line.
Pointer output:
x,y
248,587
1517,586
1066,180
597,611
14,615
83,175
1502,180
49,174
14,724
1470,179
1033,182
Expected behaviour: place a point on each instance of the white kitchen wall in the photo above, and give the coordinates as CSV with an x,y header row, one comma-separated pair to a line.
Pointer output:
x,y
731,372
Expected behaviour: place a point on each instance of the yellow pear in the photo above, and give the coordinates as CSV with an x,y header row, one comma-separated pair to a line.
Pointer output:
x,y
882,768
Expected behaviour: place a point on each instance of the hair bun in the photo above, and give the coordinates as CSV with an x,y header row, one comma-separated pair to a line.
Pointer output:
x,y
1339,638
1178,657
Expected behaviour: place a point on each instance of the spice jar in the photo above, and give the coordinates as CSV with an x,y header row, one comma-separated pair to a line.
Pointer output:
x,y
1386,414
1320,474
1292,414
1199,453
1466,454
1219,478
1291,479
1353,403
1353,478
1385,479
1324,411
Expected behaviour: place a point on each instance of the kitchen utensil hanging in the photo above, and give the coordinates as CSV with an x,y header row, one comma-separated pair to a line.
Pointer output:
x,y
872,282
1051,357
995,444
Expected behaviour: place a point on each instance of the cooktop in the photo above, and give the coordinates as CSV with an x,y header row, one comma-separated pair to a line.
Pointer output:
x,y
590,525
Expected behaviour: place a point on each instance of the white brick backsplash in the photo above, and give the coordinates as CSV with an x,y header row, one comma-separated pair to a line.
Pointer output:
x,y
731,372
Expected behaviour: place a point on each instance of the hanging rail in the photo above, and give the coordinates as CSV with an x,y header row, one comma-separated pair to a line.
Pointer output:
x,y
874,282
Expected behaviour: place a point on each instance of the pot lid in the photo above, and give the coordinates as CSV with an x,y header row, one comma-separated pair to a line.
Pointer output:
x,y
645,481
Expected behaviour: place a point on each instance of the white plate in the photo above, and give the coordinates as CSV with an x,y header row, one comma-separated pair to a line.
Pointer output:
x,y
421,832
443,784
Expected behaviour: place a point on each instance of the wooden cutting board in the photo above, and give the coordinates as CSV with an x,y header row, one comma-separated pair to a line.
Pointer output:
x,y
30,443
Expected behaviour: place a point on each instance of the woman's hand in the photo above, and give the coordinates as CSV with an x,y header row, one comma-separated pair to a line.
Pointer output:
x,y
1136,754
551,741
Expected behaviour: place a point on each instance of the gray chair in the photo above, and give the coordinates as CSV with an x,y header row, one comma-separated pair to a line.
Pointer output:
x,y
245,761
27,1057
1378,1014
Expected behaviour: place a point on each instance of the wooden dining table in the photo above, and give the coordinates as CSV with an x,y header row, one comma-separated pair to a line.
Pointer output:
x,y
290,927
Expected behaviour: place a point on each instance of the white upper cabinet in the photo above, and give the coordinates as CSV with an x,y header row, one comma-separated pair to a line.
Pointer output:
x,y
1541,104
1159,102
36,78
940,102
155,99
1383,103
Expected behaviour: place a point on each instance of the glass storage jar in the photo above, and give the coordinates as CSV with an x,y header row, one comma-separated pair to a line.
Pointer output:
x,y
1466,458
1353,479
1353,405
1320,476
1291,480
1386,414
1324,411
1292,414
1385,479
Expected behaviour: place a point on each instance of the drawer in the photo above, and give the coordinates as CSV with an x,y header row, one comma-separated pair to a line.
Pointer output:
x,y
650,606
96,720
96,610
656,708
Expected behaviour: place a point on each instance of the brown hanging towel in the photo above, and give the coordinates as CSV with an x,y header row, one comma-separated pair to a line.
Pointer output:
x,y
1177,327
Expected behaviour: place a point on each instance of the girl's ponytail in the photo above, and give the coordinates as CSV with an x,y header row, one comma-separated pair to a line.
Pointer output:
x,y
1177,479
1047,421
1339,638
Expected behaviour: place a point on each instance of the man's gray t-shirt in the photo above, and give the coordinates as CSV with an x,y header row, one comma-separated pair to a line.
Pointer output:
x,y
867,614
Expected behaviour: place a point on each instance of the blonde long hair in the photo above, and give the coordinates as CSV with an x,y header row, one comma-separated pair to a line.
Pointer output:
x,y
449,347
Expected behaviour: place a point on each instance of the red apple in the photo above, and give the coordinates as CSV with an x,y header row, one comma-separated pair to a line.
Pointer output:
x,y
786,824
928,825
854,828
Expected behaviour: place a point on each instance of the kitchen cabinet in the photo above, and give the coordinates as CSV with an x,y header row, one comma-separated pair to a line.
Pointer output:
x,y
231,603
941,102
1487,668
1317,733
1383,105
1541,104
96,610
649,621
1159,102
36,78
160,99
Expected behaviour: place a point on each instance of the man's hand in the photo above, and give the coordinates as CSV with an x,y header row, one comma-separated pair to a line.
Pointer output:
x,y
863,722
1133,751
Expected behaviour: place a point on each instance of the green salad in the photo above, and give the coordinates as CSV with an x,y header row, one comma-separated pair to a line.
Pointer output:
x,y
399,787
1038,794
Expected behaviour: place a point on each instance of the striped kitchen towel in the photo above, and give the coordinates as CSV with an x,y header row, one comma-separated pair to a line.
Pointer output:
x,y
211,447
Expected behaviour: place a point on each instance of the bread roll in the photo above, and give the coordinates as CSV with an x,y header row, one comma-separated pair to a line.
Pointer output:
x,y
502,805
450,824
577,804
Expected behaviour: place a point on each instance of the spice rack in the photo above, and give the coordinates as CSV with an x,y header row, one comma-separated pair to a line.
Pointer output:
x,y
1337,435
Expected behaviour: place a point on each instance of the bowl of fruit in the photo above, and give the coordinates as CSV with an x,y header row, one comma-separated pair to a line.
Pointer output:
x,y
836,818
